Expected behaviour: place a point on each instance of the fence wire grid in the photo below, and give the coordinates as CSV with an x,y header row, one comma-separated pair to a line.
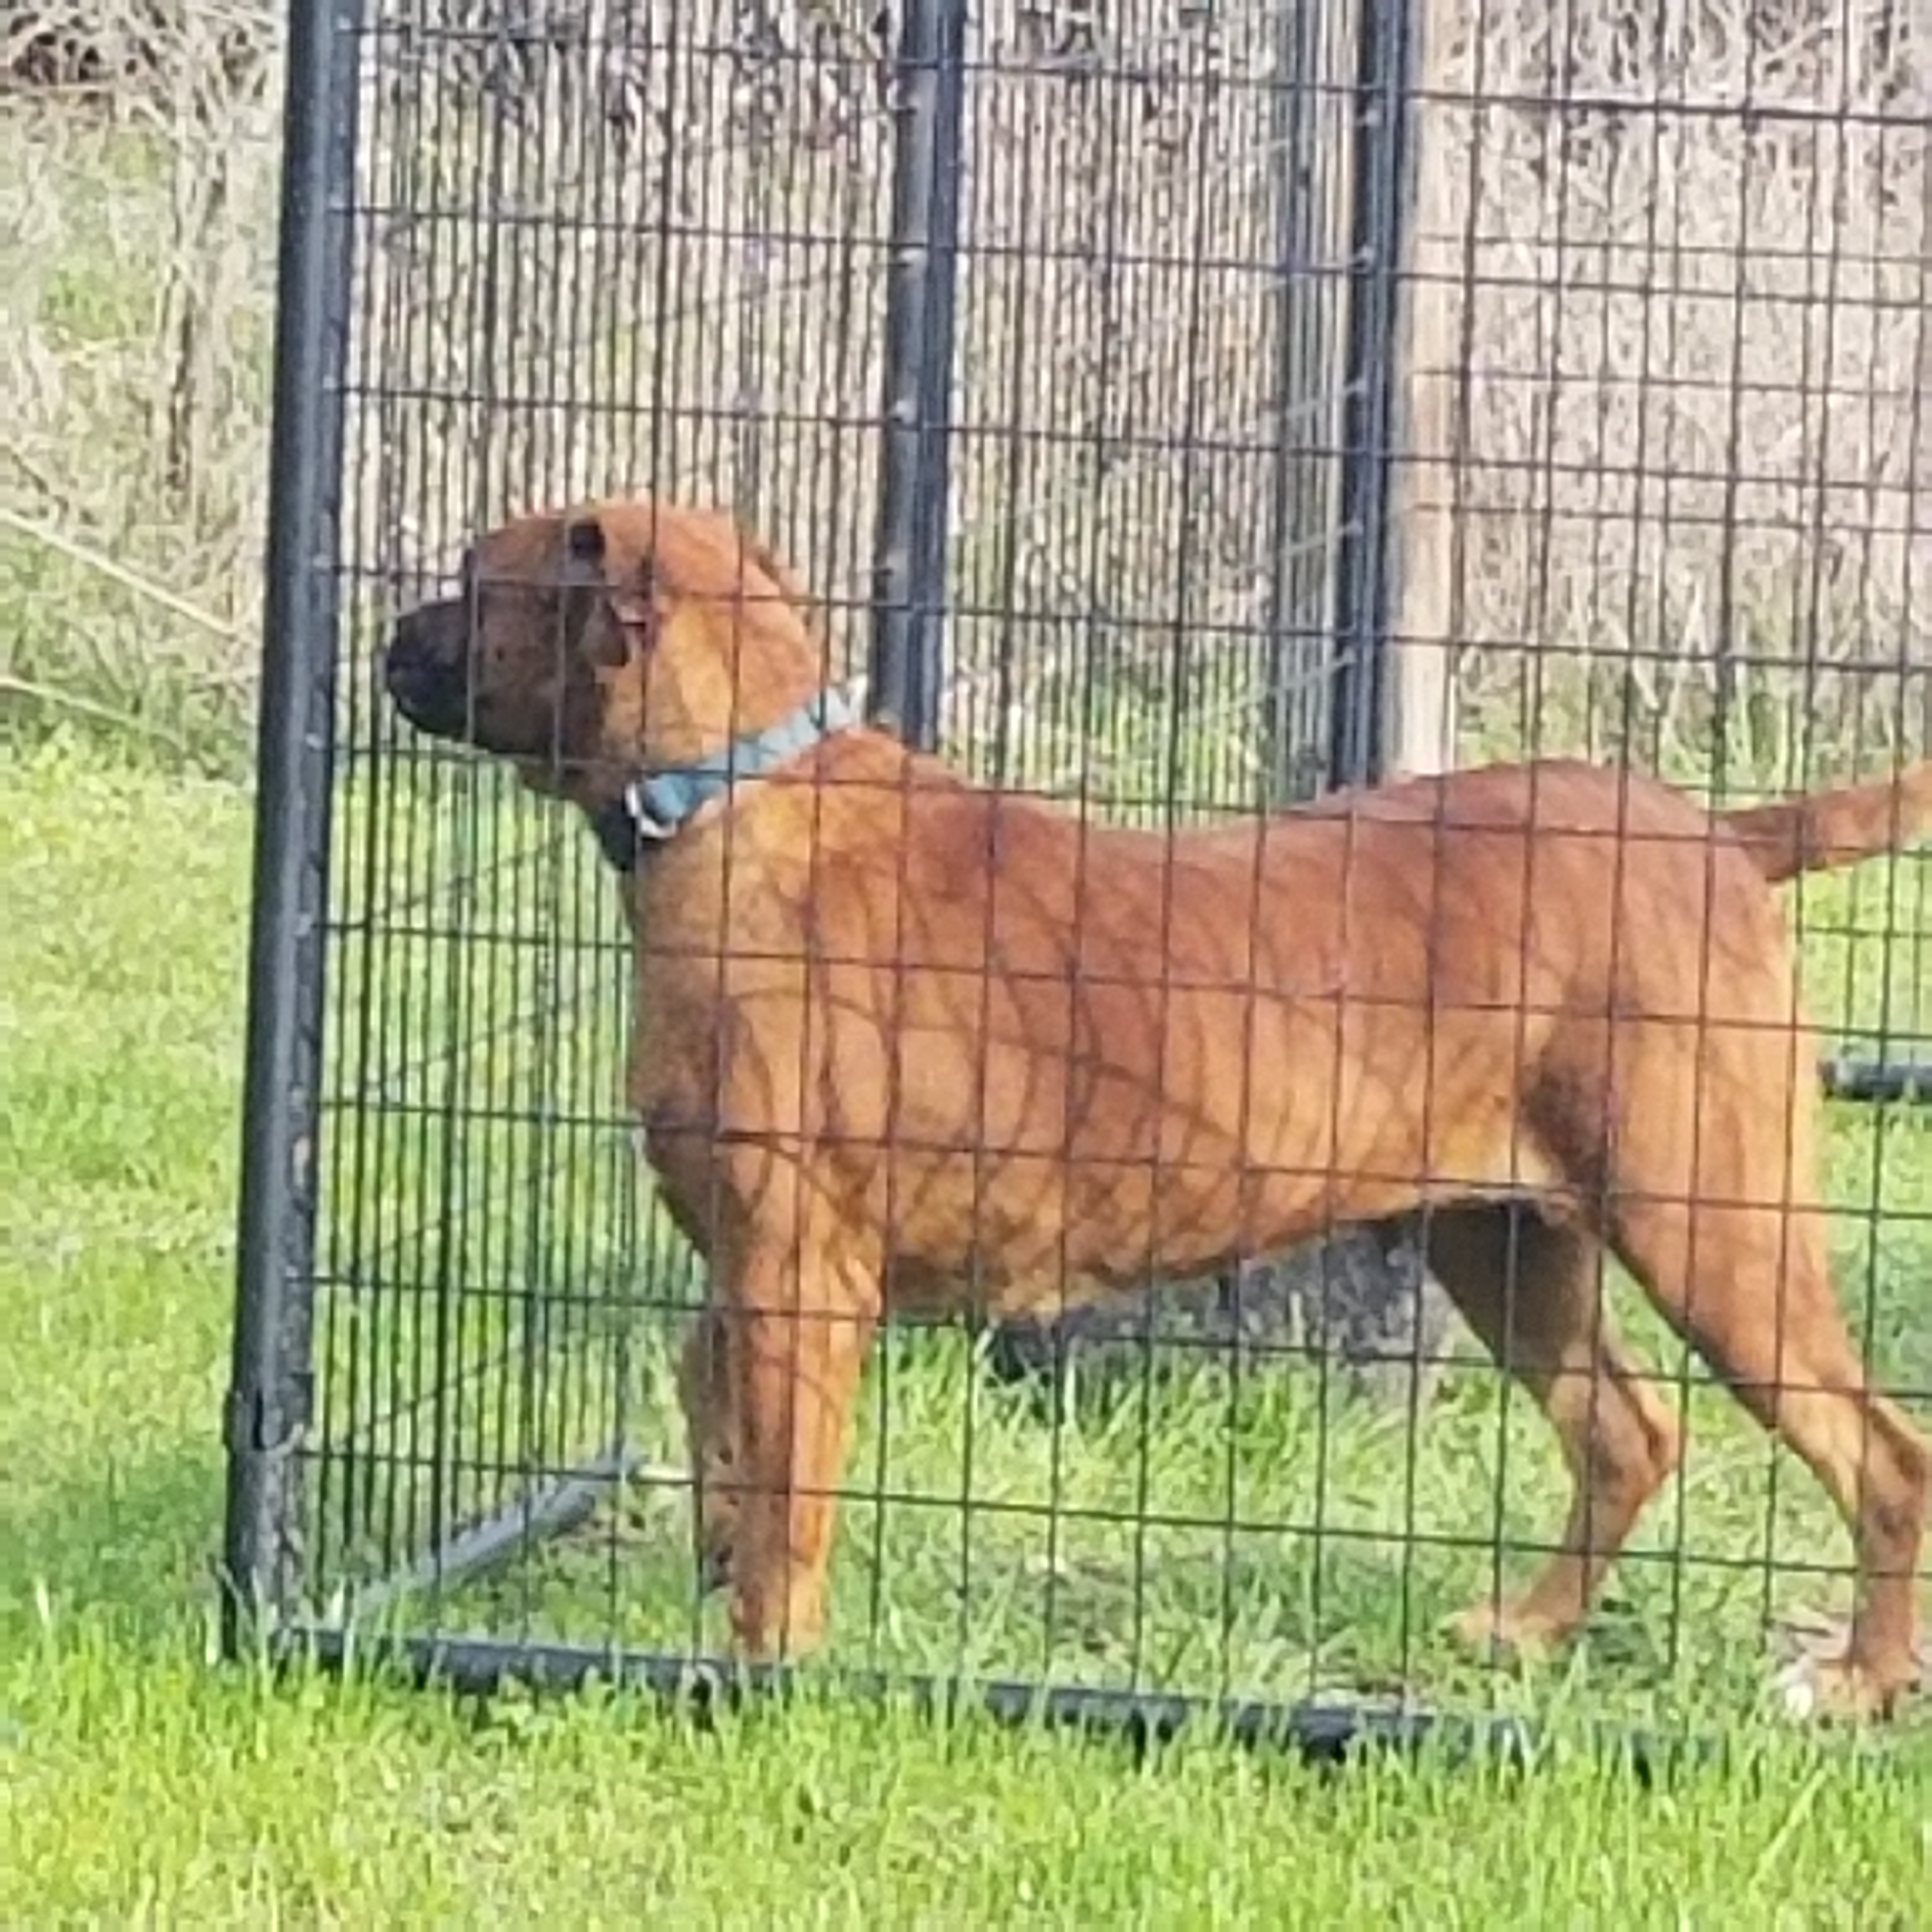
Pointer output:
x,y
1175,413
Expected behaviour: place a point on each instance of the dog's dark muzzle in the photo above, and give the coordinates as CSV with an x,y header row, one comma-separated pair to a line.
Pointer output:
x,y
424,670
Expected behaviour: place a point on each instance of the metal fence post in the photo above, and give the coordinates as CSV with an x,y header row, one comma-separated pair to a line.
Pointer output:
x,y
271,1373
909,569
1367,558
1307,187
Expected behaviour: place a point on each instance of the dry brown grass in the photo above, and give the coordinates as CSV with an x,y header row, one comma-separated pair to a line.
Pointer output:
x,y
137,253
1691,446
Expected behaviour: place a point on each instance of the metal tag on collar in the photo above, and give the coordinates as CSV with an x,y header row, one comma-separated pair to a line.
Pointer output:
x,y
651,830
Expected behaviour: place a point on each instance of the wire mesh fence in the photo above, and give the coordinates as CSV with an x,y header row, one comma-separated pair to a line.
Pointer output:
x,y
1136,391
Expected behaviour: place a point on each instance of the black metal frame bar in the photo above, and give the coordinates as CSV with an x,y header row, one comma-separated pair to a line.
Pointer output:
x,y
271,1378
906,667
538,1513
1299,590
1381,194
1318,1732
1847,1077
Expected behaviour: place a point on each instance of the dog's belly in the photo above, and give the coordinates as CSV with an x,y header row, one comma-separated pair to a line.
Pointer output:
x,y
1023,1252
984,1199
1013,1139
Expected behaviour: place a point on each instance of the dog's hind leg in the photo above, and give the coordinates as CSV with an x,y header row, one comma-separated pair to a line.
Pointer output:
x,y
796,1329
1532,1292
1749,1286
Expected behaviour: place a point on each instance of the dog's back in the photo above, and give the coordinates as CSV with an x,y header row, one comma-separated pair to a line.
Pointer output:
x,y
1159,1052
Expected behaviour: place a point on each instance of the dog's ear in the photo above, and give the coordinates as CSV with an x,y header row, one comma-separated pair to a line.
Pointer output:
x,y
593,573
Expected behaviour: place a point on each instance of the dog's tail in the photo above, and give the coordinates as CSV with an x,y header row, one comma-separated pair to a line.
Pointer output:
x,y
1817,831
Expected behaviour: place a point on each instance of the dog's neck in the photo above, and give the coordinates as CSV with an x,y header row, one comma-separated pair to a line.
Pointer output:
x,y
653,808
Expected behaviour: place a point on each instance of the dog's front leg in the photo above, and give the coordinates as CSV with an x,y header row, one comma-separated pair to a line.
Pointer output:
x,y
707,1390
795,1338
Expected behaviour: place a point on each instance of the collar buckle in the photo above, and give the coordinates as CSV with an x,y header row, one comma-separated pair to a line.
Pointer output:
x,y
648,827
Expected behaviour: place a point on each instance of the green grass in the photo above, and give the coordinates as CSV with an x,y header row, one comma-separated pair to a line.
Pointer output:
x,y
139,1782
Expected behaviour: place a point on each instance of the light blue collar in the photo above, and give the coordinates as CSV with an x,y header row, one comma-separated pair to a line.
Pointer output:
x,y
656,806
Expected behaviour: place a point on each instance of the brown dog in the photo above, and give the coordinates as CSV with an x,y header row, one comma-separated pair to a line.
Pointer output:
x,y
901,1039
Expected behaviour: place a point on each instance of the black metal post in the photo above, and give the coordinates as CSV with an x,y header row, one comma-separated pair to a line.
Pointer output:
x,y
1335,1734
1847,1077
909,567
270,1375
1367,560
1302,505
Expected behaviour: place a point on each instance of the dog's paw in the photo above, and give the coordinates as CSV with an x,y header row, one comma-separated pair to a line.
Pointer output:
x,y
1822,1682
1505,1633
776,1624
1836,1691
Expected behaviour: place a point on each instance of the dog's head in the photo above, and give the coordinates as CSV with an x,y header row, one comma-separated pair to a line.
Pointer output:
x,y
592,645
